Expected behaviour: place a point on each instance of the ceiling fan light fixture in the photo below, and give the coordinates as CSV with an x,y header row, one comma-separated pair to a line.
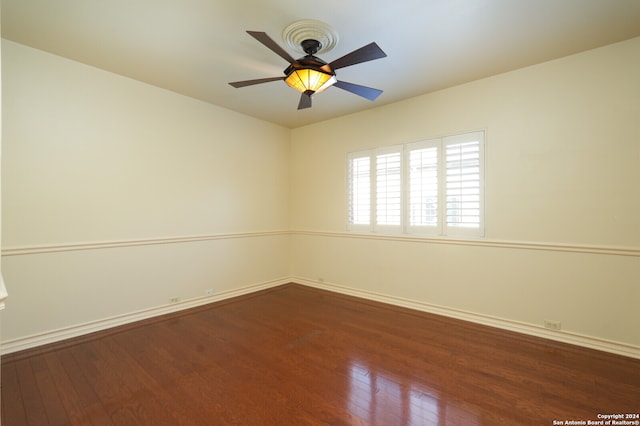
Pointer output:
x,y
306,80
310,74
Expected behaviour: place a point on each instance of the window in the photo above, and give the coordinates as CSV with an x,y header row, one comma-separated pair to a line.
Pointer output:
x,y
432,187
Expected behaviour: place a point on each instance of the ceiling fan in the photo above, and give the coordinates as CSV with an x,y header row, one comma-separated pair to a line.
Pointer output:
x,y
310,74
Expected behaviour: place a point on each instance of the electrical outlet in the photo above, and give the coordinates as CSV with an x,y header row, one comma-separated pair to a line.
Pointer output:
x,y
552,325
208,292
174,300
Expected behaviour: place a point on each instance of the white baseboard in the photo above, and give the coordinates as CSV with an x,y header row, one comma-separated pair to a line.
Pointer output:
x,y
520,327
103,324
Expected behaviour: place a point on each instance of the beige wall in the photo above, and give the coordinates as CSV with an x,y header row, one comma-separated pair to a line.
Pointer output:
x,y
563,169
91,157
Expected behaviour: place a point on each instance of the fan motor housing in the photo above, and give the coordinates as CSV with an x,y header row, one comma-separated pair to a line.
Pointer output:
x,y
312,62
311,46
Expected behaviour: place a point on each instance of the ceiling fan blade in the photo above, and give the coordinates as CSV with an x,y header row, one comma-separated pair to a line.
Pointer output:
x,y
238,84
305,101
364,91
263,38
366,53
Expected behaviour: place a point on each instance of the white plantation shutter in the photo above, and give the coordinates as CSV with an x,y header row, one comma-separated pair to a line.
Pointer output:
x,y
464,184
423,162
433,187
360,191
388,189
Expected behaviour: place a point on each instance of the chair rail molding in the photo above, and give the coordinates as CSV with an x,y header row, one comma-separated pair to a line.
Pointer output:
x,y
522,245
97,245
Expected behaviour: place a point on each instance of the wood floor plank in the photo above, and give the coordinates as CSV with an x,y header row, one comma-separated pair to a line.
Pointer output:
x,y
33,403
173,387
55,411
13,411
297,355
76,395
121,386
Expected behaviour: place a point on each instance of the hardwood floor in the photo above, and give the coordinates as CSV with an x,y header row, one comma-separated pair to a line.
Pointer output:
x,y
294,355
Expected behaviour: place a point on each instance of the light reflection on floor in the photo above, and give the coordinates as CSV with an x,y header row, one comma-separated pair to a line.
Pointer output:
x,y
383,399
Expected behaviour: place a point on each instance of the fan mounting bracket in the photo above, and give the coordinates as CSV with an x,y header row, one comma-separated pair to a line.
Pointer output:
x,y
311,47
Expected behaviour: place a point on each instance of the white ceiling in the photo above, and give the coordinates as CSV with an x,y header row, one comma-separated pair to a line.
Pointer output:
x,y
195,47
